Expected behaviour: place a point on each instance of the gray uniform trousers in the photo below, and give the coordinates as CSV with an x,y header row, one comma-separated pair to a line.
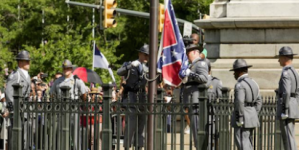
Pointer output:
x,y
190,96
288,104
134,122
243,139
288,132
214,92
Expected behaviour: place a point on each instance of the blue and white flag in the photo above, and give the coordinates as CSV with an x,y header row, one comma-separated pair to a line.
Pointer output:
x,y
100,61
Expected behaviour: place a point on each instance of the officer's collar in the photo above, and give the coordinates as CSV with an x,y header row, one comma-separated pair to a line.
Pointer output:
x,y
25,72
242,77
68,79
287,67
71,77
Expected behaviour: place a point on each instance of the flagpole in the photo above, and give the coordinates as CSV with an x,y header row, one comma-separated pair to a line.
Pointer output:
x,y
93,35
154,11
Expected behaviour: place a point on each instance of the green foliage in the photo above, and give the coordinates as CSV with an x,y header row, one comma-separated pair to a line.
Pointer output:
x,y
73,40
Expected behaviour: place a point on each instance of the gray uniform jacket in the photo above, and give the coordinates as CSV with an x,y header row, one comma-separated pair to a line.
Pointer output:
x,y
135,79
199,73
247,103
134,75
287,93
79,86
215,86
17,77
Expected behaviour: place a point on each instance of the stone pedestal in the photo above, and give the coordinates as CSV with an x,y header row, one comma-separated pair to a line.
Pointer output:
x,y
254,30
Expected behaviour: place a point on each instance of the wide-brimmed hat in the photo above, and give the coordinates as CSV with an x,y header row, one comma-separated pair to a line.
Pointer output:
x,y
67,64
192,47
286,51
240,64
23,55
144,49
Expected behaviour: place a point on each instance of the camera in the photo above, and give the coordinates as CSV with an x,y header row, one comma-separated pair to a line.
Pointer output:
x,y
45,75
187,40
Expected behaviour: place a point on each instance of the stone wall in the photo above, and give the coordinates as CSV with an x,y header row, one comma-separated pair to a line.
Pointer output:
x,y
254,30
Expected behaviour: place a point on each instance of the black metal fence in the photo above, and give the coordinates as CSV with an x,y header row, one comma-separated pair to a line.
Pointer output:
x,y
61,123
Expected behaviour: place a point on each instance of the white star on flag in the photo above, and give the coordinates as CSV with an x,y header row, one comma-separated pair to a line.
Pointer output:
x,y
164,57
174,53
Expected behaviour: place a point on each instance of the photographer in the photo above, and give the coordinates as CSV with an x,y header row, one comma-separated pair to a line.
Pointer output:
x,y
195,39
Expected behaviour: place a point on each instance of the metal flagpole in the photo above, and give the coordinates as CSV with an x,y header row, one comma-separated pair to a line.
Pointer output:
x,y
19,13
43,22
154,11
93,36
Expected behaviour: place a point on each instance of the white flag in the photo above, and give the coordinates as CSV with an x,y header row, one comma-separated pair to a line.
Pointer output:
x,y
100,61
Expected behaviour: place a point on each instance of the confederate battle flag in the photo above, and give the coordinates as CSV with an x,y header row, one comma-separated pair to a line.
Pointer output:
x,y
173,61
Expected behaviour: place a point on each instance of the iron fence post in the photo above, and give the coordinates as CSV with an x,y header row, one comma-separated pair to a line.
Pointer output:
x,y
65,91
159,135
17,124
107,129
225,95
278,137
203,114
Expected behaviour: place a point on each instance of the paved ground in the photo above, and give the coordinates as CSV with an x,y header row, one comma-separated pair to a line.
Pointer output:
x,y
187,140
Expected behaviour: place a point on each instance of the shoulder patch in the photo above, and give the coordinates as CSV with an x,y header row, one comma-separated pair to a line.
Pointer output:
x,y
285,73
211,87
238,85
11,76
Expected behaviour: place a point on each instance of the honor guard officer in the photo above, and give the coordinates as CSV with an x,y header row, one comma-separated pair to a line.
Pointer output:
x,y
22,77
77,91
214,92
214,84
287,105
247,104
196,74
134,92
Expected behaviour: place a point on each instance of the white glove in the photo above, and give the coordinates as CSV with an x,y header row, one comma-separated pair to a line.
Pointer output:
x,y
284,116
135,63
188,71
185,80
239,124
167,99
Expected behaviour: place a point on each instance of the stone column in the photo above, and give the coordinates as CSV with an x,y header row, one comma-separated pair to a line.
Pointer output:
x,y
218,8
254,30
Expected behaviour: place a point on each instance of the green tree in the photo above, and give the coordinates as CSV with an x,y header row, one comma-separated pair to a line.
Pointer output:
x,y
23,29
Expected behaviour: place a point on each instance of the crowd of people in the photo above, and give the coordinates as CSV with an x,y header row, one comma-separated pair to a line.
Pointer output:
x,y
37,89
133,89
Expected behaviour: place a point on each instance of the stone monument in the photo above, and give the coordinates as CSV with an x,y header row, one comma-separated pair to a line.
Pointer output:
x,y
254,30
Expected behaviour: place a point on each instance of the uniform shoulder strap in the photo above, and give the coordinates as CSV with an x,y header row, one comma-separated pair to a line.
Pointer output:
x,y
75,81
250,89
295,78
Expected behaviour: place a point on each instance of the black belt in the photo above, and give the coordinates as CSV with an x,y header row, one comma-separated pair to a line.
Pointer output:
x,y
192,83
250,104
292,95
